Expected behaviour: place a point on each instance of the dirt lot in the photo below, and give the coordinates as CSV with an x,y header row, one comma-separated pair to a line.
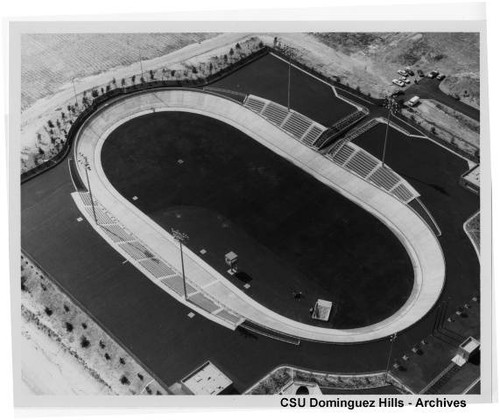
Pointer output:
x,y
375,57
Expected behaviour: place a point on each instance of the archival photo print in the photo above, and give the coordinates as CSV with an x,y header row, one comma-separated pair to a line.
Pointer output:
x,y
292,214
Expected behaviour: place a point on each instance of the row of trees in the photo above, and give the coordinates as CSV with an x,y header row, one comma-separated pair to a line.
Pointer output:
x,y
51,138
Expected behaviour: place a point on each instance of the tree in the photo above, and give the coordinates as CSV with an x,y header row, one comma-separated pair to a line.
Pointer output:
x,y
231,52
261,44
108,88
123,82
133,79
172,73
142,79
84,342
211,67
238,46
68,326
113,81
225,58
151,74
95,93
124,380
50,123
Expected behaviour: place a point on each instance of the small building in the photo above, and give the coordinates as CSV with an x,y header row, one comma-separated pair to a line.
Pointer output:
x,y
205,380
322,310
231,259
466,350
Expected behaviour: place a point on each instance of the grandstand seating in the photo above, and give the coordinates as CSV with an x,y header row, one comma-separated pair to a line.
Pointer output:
x,y
102,217
275,113
343,154
255,104
312,135
297,125
402,193
384,178
362,163
117,233
136,250
203,302
157,268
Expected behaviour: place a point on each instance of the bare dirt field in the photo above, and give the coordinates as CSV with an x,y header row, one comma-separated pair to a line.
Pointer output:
x,y
48,61
380,55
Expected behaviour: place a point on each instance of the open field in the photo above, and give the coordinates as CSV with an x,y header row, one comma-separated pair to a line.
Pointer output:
x,y
379,55
48,61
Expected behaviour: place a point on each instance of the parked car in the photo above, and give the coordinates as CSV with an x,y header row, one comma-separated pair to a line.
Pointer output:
x,y
420,73
433,74
441,77
398,92
409,71
402,72
415,100
398,82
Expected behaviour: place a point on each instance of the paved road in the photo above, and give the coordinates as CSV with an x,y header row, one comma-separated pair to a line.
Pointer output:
x,y
429,89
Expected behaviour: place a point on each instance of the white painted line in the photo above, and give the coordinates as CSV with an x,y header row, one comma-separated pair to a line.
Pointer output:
x,y
203,251
79,219
135,198
246,286
180,161
191,314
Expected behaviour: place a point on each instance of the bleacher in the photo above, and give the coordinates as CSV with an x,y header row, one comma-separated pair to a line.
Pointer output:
x,y
275,113
343,154
293,123
297,125
384,178
312,135
255,104
363,164
402,193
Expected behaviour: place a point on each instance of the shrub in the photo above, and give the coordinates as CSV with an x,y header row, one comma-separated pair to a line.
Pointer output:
x,y
124,380
122,360
140,376
107,356
84,325
84,342
48,311
66,308
68,326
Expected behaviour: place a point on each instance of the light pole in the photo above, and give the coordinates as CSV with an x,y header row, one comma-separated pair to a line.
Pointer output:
x,y
142,71
74,90
392,340
392,106
181,238
288,52
85,162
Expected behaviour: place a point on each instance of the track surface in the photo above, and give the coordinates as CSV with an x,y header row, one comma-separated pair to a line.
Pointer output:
x,y
156,328
291,232
434,172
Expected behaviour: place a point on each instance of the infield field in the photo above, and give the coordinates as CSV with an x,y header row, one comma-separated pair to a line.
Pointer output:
x,y
291,232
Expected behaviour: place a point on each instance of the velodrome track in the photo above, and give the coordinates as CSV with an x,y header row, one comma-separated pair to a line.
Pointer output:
x,y
420,243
